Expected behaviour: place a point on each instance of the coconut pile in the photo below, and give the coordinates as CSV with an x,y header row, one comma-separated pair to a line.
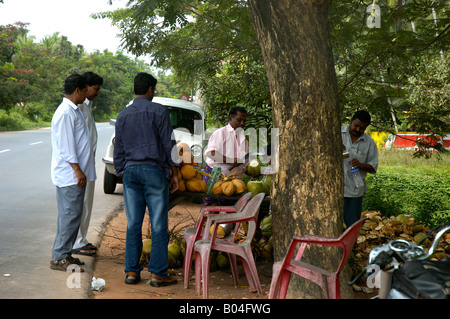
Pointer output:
x,y
190,177
378,230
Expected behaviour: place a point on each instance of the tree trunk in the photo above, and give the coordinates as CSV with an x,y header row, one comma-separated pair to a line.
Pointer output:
x,y
307,196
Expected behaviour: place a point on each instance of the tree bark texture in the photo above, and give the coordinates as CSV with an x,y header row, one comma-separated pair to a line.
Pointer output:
x,y
307,194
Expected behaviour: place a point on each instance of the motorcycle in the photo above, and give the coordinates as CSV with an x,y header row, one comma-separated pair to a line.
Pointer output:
x,y
401,269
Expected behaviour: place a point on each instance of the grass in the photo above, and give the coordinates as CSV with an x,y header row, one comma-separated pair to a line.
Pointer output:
x,y
395,157
407,185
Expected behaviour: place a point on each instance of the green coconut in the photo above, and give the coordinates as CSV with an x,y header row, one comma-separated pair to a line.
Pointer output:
x,y
146,246
267,220
255,187
254,168
175,249
222,260
267,230
172,260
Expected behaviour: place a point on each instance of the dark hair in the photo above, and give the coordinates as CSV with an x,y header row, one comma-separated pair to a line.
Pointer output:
x,y
92,78
73,82
142,82
235,109
363,116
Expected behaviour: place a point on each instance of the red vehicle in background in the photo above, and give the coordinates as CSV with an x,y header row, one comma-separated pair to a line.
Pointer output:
x,y
411,141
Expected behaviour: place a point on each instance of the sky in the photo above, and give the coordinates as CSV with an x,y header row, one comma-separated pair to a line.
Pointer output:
x,y
71,18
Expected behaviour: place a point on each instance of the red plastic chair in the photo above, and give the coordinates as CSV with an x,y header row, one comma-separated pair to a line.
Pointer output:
x,y
243,250
191,235
329,282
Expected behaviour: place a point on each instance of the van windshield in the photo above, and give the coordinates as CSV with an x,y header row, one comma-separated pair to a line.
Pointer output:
x,y
185,119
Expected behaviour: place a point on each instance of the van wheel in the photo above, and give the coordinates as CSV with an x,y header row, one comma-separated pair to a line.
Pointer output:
x,y
109,182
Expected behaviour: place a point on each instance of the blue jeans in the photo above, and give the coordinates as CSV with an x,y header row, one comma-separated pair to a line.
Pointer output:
x,y
146,186
352,210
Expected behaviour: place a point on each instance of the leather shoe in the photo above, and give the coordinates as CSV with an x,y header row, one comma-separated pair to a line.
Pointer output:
x,y
132,278
162,282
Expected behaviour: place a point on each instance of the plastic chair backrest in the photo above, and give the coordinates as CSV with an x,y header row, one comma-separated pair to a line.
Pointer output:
x,y
240,204
347,240
249,214
252,211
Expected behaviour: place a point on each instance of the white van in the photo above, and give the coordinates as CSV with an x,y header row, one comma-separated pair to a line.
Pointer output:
x,y
189,125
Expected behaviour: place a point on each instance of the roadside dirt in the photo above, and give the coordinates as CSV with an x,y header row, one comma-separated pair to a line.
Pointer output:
x,y
110,262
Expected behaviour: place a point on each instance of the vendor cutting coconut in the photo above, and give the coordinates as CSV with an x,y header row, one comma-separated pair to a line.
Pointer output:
x,y
227,146
227,149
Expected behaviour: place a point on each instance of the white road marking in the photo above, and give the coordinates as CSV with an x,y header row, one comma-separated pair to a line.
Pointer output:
x,y
5,150
40,142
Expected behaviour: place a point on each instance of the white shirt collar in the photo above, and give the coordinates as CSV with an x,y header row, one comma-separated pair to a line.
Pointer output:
x,y
71,104
346,129
229,128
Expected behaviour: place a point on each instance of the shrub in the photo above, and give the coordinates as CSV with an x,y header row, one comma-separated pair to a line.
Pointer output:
x,y
440,217
422,192
10,121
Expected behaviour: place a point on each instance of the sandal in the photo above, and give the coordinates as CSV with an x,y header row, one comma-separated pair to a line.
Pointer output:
x,y
74,260
89,246
86,250
83,251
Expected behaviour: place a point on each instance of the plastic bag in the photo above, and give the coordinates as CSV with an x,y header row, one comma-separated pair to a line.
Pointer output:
x,y
97,284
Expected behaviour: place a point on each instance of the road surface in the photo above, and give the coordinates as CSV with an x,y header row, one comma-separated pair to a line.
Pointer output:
x,y
28,217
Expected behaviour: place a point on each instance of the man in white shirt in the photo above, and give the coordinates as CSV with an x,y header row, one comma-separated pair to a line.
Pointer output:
x,y
72,167
82,246
227,146
363,155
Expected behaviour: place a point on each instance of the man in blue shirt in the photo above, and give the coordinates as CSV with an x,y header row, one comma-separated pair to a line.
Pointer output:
x,y
143,150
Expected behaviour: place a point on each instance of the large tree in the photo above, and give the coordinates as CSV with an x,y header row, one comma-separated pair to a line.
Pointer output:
x,y
307,197
13,80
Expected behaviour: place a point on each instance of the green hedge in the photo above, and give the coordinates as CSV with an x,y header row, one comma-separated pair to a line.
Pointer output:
x,y
14,122
422,192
